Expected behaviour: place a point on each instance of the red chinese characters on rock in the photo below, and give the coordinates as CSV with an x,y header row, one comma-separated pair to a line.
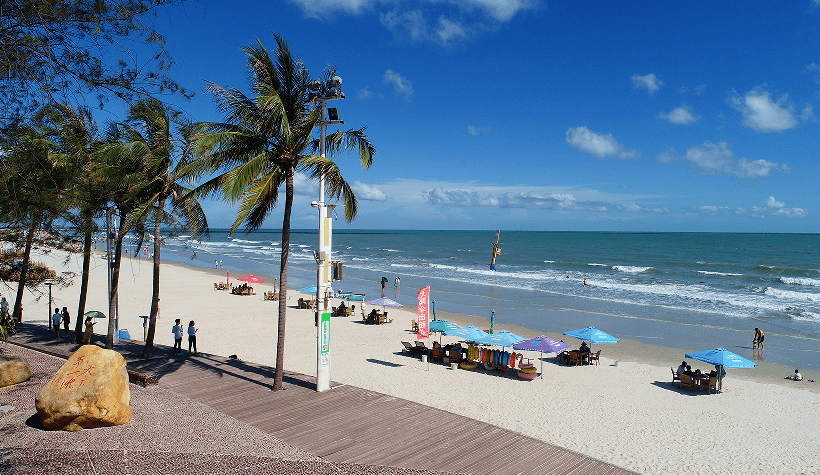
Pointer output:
x,y
82,371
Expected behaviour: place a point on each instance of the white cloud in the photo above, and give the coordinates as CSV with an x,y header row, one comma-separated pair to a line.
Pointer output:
x,y
472,198
602,146
762,114
412,21
680,115
365,93
808,114
650,82
402,85
473,130
668,156
368,192
778,208
718,159
636,208
324,8
448,31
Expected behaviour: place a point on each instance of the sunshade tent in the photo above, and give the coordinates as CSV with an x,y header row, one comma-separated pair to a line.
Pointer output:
x,y
541,344
721,357
309,289
251,279
441,326
469,333
384,302
503,338
593,335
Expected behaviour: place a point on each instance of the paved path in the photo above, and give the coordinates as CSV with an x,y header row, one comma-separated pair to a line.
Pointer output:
x,y
345,424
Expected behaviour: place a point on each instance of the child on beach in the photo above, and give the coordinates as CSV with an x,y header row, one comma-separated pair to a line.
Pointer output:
x,y
177,331
191,337
796,376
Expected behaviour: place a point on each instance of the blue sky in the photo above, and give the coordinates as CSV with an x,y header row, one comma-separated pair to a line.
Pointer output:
x,y
545,115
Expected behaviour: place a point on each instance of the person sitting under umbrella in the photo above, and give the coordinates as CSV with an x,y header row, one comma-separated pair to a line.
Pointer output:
x,y
584,348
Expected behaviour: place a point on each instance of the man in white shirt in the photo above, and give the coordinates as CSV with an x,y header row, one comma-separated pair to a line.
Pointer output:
x,y
56,319
177,331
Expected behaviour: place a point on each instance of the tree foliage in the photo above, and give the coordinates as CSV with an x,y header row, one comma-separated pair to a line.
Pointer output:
x,y
53,49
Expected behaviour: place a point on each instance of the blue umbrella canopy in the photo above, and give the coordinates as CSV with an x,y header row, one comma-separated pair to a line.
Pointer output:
x,y
593,335
442,325
384,302
543,344
469,333
503,338
721,357
310,289
355,298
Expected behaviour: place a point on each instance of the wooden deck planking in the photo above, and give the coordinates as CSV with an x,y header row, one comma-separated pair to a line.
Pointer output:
x,y
354,425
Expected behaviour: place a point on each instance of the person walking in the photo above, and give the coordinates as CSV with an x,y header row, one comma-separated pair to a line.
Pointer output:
x,y
4,305
192,337
177,331
66,320
398,282
55,320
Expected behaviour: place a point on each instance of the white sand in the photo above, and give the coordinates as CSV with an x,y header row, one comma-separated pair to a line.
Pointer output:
x,y
628,415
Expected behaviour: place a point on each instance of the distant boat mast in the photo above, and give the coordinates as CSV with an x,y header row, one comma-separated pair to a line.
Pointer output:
x,y
496,249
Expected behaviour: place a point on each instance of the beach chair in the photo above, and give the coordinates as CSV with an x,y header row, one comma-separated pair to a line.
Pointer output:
x,y
413,350
216,286
675,376
575,358
414,327
686,382
301,303
711,384
349,310
436,354
595,357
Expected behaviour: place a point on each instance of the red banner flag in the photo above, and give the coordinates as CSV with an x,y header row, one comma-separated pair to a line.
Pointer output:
x,y
423,322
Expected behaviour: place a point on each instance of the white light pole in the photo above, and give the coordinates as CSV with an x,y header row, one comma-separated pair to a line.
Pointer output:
x,y
329,91
109,249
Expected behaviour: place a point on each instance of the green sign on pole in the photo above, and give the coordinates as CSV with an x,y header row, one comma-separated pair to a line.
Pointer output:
x,y
324,328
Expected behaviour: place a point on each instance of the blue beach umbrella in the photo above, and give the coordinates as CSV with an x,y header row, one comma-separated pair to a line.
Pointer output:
x,y
492,322
442,326
541,344
721,357
310,289
592,334
503,338
469,333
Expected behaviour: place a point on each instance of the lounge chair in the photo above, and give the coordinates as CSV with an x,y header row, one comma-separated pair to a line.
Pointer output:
x,y
575,358
686,382
675,376
595,357
413,350
414,327
436,354
711,384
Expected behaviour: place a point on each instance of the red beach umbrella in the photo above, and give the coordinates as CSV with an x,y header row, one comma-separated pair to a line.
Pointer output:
x,y
251,279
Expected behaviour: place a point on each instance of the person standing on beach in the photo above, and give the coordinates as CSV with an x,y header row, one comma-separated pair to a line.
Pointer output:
x,y
89,330
66,320
398,282
192,337
758,339
384,282
55,320
177,331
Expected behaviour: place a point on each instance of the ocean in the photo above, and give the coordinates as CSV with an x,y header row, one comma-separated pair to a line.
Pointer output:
x,y
691,291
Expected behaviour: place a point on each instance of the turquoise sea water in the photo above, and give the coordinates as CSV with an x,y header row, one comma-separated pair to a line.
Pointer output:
x,y
686,290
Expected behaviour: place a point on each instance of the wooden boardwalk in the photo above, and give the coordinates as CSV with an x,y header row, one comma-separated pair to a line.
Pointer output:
x,y
346,424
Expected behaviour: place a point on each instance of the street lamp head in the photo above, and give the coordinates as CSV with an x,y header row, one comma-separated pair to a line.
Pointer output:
x,y
335,81
314,203
332,114
315,85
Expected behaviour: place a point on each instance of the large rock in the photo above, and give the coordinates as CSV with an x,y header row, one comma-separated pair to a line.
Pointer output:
x,y
90,390
13,370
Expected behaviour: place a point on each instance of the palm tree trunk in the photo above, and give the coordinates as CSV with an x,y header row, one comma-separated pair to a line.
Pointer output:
x,y
283,285
115,280
78,325
152,325
21,285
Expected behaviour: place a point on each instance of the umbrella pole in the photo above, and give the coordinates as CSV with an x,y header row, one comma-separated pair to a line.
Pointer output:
x,y
542,365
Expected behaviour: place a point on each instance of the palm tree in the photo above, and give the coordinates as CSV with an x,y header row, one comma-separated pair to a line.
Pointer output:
x,y
261,146
77,137
148,132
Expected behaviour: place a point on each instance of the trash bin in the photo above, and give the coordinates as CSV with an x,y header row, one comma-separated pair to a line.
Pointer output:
x,y
124,334
424,358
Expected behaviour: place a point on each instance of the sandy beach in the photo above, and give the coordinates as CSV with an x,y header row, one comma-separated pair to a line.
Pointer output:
x,y
629,414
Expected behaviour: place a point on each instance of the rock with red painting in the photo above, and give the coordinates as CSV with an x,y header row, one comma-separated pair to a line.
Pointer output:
x,y
13,370
90,390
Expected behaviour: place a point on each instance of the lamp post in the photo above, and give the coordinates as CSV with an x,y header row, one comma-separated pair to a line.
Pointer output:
x,y
322,93
49,284
109,248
